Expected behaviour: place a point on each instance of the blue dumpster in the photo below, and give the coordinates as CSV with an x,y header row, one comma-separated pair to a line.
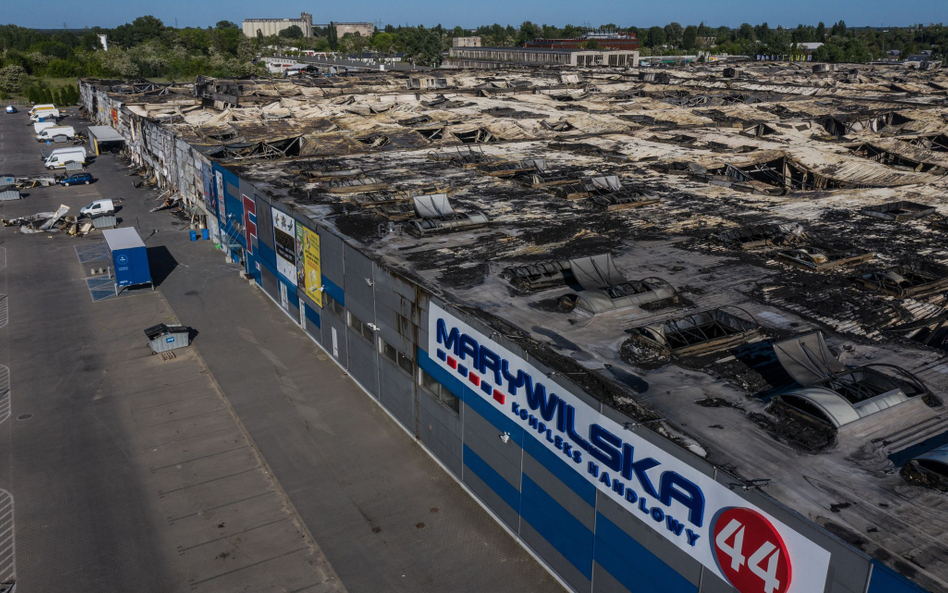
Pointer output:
x,y
129,258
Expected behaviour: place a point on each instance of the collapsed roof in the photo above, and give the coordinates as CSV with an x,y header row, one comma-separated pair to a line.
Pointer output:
x,y
614,226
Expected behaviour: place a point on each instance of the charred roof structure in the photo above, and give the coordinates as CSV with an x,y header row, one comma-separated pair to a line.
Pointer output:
x,y
747,266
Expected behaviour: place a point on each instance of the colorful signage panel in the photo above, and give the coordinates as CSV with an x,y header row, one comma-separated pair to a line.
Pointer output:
x,y
307,263
739,542
284,243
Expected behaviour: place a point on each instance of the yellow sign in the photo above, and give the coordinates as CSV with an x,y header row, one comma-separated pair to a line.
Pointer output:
x,y
313,279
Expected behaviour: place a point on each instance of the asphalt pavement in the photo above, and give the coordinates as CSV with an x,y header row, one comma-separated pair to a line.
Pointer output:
x,y
121,470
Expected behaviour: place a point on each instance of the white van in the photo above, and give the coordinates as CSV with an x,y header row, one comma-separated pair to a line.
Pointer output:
x,y
50,133
98,207
67,150
42,125
59,161
45,115
41,107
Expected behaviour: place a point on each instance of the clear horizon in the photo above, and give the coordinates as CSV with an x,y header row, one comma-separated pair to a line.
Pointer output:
x,y
730,13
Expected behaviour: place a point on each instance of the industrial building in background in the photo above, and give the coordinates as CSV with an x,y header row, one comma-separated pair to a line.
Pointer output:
x,y
681,330
602,39
268,27
467,52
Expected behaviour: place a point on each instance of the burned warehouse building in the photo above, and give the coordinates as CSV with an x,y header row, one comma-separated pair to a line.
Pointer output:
x,y
678,333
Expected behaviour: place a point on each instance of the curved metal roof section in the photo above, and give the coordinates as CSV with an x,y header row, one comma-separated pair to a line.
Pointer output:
x,y
839,411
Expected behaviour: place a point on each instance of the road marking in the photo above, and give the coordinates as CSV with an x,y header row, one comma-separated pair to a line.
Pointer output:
x,y
7,549
3,311
182,550
5,404
3,258
229,572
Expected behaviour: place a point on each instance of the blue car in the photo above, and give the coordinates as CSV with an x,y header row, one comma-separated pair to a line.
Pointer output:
x,y
77,178
11,109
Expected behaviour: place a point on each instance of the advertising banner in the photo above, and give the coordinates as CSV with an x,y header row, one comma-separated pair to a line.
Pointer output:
x,y
207,178
250,222
739,542
284,243
221,215
307,263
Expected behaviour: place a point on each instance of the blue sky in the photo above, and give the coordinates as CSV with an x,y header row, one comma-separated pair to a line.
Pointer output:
x,y
471,13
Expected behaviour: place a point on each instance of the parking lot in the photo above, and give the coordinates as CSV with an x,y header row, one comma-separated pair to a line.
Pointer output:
x,y
121,471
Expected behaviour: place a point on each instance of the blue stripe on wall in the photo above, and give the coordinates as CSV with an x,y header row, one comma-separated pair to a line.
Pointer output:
x,y
557,526
334,290
267,256
504,489
563,472
886,580
312,316
632,564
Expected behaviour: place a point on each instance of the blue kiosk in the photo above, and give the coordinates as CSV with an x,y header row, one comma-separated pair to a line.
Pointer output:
x,y
129,258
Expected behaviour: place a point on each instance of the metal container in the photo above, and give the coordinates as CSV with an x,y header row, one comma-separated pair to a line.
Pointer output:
x,y
106,221
162,337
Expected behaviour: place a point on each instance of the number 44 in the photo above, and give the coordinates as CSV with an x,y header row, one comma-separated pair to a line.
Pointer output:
x,y
767,551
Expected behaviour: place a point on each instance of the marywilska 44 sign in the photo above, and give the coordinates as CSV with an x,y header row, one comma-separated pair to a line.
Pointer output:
x,y
739,542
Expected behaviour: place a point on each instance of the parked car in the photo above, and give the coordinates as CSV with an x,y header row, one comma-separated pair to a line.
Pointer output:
x,y
76,179
98,207
11,109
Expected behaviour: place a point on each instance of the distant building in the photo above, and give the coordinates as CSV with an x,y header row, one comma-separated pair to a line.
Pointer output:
x,y
705,41
466,42
808,47
610,41
364,29
273,26
504,57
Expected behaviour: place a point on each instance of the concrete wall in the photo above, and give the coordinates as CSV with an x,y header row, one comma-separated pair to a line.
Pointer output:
x,y
592,543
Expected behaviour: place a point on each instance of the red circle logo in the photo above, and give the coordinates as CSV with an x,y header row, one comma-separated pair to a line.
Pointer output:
x,y
750,553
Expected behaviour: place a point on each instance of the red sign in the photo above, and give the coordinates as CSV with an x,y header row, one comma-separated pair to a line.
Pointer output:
x,y
750,552
250,222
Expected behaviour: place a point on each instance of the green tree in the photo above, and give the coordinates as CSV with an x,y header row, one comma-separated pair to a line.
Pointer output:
x,y
12,78
383,43
746,32
138,31
673,33
226,25
821,32
689,37
655,37
527,32
293,32
333,37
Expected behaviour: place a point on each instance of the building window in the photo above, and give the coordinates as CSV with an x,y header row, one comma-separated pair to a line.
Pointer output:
x,y
402,360
333,305
438,391
361,328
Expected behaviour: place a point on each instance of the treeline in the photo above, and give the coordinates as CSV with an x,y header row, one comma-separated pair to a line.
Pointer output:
x,y
840,43
142,48
40,93
147,48
427,46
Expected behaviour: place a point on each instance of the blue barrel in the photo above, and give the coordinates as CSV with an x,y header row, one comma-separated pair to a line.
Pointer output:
x,y
194,236
205,234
